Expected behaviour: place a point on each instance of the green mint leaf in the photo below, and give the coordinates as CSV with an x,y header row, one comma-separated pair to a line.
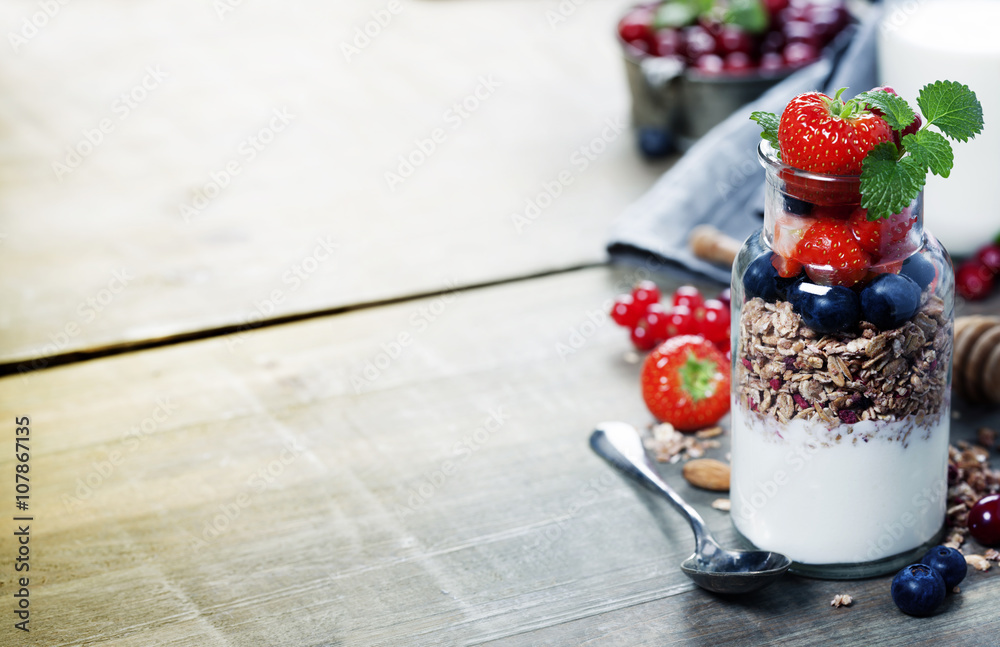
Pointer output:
x,y
931,150
769,122
896,112
953,108
748,14
674,14
889,184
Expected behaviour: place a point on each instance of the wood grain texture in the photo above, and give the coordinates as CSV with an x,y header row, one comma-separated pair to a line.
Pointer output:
x,y
280,501
254,250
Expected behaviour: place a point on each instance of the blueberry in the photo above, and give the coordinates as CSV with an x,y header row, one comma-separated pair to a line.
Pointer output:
x,y
890,300
918,590
948,562
797,207
825,309
655,142
761,280
920,270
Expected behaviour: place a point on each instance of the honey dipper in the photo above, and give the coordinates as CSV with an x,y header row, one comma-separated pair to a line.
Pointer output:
x,y
976,371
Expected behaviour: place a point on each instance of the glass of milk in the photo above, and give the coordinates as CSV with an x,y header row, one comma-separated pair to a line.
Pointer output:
x,y
921,41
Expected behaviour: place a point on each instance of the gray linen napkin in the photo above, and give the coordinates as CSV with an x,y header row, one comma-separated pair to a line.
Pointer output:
x,y
719,180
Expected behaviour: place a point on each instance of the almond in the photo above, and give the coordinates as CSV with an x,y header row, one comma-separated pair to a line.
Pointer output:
x,y
707,473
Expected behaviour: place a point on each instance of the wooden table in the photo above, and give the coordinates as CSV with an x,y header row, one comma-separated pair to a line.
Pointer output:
x,y
394,452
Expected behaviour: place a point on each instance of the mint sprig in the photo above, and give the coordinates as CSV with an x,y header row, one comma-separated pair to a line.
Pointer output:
x,y
953,108
769,122
895,111
888,183
931,151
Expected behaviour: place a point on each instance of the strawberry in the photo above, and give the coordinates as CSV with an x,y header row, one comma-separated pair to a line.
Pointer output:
x,y
831,253
823,135
787,268
686,382
885,238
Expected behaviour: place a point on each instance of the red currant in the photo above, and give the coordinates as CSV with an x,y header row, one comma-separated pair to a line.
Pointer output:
x,y
646,292
984,520
715,321
657,322
626,312
681,322
642,338
989,256
973,280
689,296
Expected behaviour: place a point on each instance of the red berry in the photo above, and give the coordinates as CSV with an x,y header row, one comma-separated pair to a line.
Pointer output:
x,y
984,520
714,324
787,268
824,135
798,54
689,296
637,27
737,63
657,321
642,338
686,382
774,6
670,42
799,31
771,62
989,256
831,254
710,64
725,297
646,292
973,280
735,39
681,321
699,42
626,312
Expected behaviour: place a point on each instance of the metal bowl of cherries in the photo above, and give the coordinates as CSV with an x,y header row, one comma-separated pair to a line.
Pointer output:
x,y
692,63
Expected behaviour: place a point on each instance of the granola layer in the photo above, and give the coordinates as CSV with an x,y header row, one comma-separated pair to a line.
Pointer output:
x,y
787,370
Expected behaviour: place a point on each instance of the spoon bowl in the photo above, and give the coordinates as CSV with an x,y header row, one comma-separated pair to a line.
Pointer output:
x,y
711,567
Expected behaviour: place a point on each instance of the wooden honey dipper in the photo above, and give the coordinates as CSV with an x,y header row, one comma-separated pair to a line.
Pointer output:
x,y
976,369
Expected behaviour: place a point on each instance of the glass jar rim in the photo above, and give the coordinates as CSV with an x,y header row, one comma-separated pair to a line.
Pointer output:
x,y
768,158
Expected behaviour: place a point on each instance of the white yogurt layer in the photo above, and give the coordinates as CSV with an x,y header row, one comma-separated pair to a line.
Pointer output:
x,y
823,501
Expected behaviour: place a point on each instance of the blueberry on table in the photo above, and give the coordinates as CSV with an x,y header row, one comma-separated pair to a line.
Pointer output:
x,y
655,142
890,300
920,270
825,309
762,280
918,590
948,562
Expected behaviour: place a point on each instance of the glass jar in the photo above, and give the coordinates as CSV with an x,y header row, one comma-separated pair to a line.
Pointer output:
x,y
842,338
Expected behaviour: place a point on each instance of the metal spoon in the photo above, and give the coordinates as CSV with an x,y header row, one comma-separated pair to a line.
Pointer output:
x,y
711,567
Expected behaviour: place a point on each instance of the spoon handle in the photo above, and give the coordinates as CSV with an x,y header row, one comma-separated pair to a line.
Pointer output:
x,y
620,445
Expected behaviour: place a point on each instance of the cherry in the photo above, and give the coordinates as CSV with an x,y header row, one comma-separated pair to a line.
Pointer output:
x,y
646,292
799,31
688,296
772,62
709,64
734,39
989,256
657,322
826,22
642,338
984,520
774,41
715,321
636,27
681,322
973,280
737,62
670,42
626,312
798,54
775,6
699,42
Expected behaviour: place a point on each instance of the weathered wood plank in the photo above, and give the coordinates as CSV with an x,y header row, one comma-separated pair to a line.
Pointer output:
x,y
99,254
276,499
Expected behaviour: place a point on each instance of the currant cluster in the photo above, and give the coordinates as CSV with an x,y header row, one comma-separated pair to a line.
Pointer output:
x,y
974,277
652,323
786,34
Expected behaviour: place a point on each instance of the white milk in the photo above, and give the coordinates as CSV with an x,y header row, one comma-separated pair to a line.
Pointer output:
x,y
922,41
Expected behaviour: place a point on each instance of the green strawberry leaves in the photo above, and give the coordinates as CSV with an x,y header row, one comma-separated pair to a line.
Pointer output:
x,y
891,178
769,122
953,108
